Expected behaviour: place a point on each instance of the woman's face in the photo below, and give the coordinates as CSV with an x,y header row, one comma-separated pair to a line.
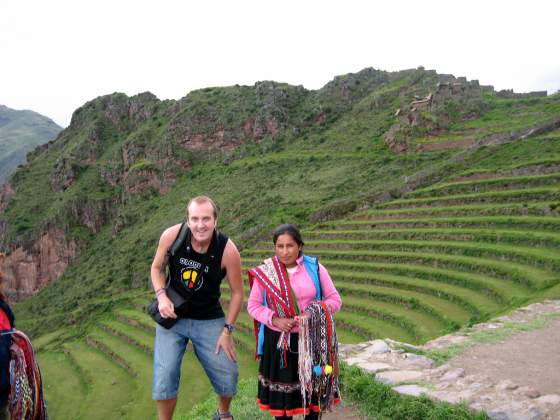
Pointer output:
x,y
287,250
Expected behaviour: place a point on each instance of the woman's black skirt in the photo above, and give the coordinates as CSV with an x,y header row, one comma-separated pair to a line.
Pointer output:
x,y
279,390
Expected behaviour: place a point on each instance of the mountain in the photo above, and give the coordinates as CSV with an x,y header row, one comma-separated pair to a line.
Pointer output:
x,y
283,152
432,198
21,132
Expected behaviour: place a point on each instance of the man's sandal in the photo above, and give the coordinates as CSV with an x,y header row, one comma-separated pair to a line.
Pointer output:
x,y
218,416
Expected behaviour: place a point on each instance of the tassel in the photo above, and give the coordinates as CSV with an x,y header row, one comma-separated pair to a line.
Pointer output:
x,y
283,345
305,360
318,356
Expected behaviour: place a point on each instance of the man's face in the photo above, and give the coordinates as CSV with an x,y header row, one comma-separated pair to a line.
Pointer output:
x,y
201,221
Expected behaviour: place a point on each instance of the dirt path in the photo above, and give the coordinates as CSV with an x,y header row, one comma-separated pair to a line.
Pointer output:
x,y
508,367
343,412
530,358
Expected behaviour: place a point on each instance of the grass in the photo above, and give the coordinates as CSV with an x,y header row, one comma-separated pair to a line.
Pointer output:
x,y
508,196
510,209
503,183
380,402
508,271
539,257
522,237
502,116
141,364
523,222
110,388
541,165
447,312
64,388
496,288
468,297
370,398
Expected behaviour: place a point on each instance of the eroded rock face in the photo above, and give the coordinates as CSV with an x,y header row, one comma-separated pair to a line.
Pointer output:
x,y
140,181
6,195
64,174
27,271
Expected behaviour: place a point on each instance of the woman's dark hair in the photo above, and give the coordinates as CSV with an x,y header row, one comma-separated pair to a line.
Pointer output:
x,y
289,229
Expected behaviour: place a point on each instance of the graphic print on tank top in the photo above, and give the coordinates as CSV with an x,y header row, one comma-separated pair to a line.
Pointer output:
x,y
192,274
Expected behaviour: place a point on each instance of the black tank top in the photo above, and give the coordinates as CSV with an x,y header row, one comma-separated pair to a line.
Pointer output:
x,y
198,277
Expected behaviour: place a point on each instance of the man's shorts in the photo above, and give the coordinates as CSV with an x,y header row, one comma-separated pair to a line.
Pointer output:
x,y
170,347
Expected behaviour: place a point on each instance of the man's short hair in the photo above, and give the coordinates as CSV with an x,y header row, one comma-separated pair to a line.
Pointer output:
x,y
201,199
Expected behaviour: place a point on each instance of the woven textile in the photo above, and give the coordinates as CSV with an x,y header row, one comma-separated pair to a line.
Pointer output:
x,y
272,276
318,367
26,395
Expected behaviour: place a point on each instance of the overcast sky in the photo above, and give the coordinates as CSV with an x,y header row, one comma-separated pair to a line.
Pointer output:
x,y
56,55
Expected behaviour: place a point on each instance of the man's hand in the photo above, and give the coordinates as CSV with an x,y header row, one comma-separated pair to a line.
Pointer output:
x,y
165,306
284,324
225,342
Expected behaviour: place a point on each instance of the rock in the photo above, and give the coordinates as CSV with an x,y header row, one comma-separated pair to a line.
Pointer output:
x,y
399,344
440,370
535,413
477,386
413,390
28,270
344,350
377,347
443,385
485,399
354,361
452,397
453,375
500,414
445,341
506,385
492,326
374,367
549,399
419,361
400,376
528,391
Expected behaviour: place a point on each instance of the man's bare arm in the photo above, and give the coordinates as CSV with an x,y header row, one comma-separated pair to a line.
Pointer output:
x,y
232,263
157,271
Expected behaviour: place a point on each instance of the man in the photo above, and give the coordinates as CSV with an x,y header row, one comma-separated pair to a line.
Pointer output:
x,y
196,271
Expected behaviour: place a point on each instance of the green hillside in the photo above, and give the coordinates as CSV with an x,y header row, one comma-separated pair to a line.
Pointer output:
x,y
419,241
20,133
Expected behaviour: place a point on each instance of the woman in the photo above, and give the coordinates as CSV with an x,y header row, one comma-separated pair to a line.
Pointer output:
x,y
6,324
278,304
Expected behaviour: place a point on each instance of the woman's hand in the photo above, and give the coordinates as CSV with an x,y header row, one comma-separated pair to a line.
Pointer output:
x,y
284,324
303,315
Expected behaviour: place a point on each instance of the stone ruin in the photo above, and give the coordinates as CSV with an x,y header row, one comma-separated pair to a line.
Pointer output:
x,y
431,113
509,93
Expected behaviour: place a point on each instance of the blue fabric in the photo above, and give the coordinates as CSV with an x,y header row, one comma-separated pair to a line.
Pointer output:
x,y
312,266
261,331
